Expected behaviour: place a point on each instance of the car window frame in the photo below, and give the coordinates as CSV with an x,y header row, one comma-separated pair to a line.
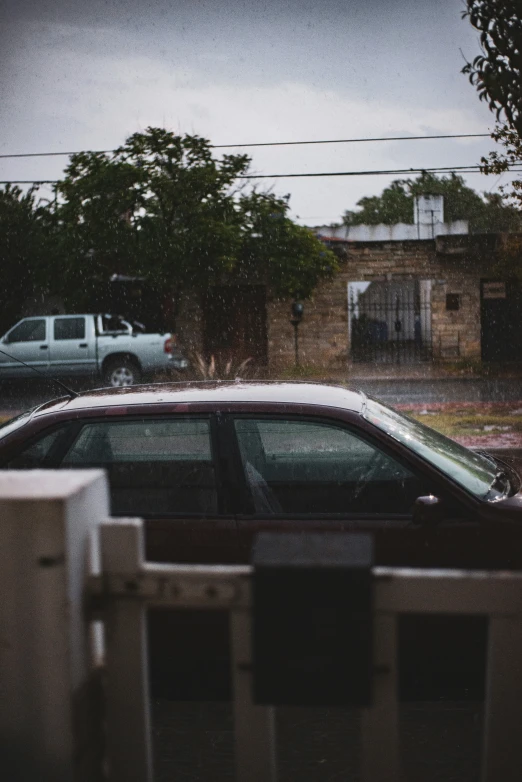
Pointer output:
x,y
222,503
225,483
247,503
56,452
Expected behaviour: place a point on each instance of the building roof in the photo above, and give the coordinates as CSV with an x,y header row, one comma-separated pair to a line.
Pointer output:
x,y
400,232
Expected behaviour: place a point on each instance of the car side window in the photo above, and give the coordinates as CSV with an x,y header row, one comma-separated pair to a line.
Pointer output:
x,y
28,331
69,328
154,467
37,453
305,467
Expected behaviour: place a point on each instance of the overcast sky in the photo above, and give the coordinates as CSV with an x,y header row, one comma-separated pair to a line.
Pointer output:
x,y
86,74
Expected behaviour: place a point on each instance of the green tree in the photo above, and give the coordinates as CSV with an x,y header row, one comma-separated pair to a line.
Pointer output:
x,y
164,208
497,75
499,162
276,250
23,249
396,205
497,71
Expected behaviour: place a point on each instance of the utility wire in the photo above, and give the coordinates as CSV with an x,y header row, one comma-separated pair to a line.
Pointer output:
x,y
269,144
352,140
29,181
471,169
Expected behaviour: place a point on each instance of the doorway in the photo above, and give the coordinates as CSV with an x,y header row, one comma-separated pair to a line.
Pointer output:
x,y
235,327
500,331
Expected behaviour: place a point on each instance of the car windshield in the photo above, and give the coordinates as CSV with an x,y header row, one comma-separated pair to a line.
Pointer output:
x,y
475,472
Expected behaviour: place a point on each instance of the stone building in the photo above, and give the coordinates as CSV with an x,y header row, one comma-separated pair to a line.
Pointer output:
x,y
404,294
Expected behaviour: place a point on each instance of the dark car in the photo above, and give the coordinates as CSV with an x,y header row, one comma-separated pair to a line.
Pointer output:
x,y
209,465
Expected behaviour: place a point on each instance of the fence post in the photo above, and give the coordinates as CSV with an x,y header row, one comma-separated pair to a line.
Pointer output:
x,y
254,725
502,747
380,757
127,688
50,703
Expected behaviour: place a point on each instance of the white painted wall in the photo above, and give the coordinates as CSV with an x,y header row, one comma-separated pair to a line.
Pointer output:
x,y
392,233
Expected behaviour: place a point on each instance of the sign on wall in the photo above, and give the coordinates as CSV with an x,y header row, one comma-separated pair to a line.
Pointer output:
x,y
494,290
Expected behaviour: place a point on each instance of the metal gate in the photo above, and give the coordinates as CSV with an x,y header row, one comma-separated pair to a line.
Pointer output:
x,y
390,322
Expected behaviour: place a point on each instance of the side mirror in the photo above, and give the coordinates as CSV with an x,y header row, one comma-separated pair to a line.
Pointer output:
x,y
428,511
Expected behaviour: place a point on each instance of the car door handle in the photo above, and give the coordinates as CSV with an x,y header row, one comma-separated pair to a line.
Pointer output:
x,y
82,345
43,347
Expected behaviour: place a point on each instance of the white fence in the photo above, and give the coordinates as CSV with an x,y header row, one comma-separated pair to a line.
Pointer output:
x,y
65,568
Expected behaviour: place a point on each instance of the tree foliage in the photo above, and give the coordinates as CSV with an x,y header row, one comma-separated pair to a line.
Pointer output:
x,y
499,162
274,248
23,249
164,208
396,205
509,260
497,75
497,71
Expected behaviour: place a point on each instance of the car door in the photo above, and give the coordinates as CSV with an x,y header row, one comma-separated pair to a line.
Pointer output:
x,y
164,469
168,470
27,342
303,473
71,347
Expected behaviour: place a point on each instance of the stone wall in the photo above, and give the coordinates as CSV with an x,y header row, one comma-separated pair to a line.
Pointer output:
x,y
323,333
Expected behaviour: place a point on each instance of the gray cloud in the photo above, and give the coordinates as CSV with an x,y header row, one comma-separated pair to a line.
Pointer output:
x,y
86,75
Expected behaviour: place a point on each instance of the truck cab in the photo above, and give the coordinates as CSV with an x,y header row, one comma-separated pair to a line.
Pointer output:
x,y
102,344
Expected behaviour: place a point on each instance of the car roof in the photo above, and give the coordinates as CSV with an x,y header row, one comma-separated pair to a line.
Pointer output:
x,y
299,393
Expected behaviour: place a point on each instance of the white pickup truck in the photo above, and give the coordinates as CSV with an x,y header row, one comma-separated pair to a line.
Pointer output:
x,y
102,345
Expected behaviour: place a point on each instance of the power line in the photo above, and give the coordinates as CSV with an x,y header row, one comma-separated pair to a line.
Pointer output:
x,y
266,144
471,169
29,181
352,140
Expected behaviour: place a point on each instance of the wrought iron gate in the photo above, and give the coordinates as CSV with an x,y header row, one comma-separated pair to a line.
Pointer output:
x,y
390,322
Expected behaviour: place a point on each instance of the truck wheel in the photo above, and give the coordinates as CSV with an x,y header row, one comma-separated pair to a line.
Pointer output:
x,y
121,372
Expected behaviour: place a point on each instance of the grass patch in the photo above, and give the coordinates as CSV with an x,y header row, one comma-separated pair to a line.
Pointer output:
x,y
310,372
455,424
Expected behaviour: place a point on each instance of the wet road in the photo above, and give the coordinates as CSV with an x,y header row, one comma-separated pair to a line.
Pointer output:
x,y
442,390
21,395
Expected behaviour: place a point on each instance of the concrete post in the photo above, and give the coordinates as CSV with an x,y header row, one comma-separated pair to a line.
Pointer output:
x,y
50,721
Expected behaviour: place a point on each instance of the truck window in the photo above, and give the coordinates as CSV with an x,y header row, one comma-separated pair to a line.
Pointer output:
x,y
28,331
112,323
69,328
